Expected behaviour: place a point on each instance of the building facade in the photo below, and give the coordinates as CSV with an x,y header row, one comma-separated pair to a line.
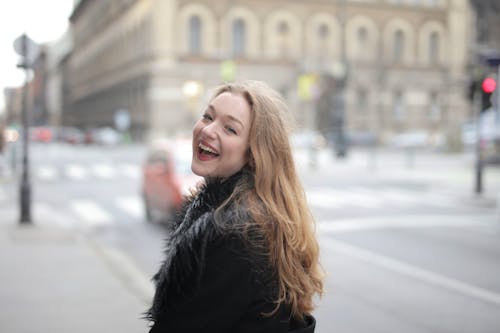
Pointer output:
x,y
404,60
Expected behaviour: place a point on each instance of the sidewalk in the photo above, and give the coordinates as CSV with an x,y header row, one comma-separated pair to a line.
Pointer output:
x,y
452,174
57,280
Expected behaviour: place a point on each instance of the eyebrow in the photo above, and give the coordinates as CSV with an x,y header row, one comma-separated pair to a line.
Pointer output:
x,y
231,117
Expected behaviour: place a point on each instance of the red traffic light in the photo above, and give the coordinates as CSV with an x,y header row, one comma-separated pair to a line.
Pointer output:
x,y
489,84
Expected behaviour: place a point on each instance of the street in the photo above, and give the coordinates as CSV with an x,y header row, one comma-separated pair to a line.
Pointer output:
x,y
405,243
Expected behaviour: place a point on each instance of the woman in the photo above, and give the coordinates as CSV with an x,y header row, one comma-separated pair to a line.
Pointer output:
x,y
242,255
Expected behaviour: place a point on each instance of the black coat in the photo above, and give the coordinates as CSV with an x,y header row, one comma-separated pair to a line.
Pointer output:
x,y
212,278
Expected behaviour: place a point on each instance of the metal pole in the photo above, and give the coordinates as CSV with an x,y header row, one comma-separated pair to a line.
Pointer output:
x,y
498,97
479,163
25,189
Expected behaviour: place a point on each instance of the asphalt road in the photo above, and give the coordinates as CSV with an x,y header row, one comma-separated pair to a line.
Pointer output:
x,y
405,248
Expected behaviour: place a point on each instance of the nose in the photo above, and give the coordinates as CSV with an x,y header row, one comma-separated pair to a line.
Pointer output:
x,y
209,130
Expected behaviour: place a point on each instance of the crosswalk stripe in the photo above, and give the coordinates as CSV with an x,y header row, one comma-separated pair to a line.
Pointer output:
x,y
331,198
130,171
104,171
131,205
358,196
419,221
80,172
440,200
321,200
90,212
85,211
397,196
46,172
362,198
75,171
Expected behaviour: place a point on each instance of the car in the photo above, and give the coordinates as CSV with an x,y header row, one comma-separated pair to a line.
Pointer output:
x,y
71,135
40,134
167,179
489,133
106,136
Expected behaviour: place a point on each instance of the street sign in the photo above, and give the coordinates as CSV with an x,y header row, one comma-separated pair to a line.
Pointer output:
x,y
228,70
122,119
493,61
26,48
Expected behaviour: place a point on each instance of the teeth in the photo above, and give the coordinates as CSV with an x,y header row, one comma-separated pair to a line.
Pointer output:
x,y
210,150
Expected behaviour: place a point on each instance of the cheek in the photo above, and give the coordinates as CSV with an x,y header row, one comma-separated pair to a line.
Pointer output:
x,y
240,151
196,129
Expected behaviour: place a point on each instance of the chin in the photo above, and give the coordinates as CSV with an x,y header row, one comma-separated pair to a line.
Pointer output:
x,y
199,171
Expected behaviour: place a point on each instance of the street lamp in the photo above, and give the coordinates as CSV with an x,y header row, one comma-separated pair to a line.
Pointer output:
x,y
192,90
27,49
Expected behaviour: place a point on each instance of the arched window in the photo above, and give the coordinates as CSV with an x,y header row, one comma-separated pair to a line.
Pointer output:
x,y
362,43
194,35
433,48
399,46
323,34
323,31
239,37
283,31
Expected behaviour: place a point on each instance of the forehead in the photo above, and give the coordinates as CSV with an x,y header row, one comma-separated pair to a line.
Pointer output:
x,y
231,104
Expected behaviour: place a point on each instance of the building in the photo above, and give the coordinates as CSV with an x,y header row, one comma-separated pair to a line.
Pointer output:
x,y
13,97
56,54
405,60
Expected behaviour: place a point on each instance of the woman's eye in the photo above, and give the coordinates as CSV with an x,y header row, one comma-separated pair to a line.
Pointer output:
x,y
206,116
230,130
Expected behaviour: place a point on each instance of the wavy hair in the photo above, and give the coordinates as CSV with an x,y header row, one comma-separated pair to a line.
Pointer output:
x,y
277,202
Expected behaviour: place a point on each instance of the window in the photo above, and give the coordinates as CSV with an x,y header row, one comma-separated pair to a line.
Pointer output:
x,y
283,29
239,37
433,48
399,108
362,102
323,31
194,35
362,43
399,40
434,108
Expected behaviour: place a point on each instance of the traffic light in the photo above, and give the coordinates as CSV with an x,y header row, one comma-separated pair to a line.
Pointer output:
x,y
488,86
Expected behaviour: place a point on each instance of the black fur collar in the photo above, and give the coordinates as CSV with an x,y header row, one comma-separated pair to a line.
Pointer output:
x,y
186,243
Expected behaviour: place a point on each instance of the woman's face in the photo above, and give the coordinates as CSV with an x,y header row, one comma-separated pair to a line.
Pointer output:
x,y
221,137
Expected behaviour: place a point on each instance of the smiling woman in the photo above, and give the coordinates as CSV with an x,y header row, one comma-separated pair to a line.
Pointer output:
x,y
220,137
242,255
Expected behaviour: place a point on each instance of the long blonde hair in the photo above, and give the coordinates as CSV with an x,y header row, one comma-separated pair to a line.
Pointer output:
x,y
278,203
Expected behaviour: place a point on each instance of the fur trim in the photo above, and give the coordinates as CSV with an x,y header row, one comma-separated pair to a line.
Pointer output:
x,y
185,251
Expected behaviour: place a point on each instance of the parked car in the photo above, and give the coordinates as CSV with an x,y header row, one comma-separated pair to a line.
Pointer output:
x,y
70,135
106,136
40,134
489,131
167,179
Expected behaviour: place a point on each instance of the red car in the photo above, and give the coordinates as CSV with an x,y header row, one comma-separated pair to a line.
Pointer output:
x,y
167,179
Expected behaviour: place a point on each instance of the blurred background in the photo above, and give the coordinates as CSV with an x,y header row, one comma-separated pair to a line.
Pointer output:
x,y
396,138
